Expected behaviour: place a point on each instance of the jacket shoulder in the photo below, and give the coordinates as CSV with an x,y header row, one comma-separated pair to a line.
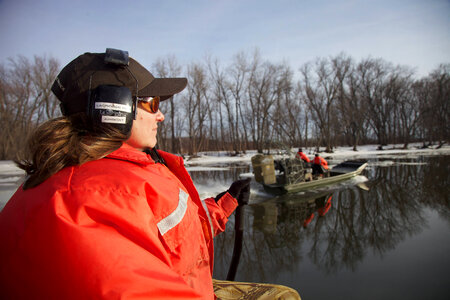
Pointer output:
x,y
100,176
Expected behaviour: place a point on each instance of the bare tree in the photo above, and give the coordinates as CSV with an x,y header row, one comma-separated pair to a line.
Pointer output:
x,y
373,75
239,73
405,107
196,107
169,67
223,98
423,94
349,109
355,112
26,100
319,91
440,95
261,99
288,113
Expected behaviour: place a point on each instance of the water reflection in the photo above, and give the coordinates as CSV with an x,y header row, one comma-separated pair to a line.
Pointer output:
x,y
338,230
302,239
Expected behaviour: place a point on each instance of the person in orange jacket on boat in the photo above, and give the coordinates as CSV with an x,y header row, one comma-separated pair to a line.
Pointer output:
x,y
102,214
318,160
320,165
302,155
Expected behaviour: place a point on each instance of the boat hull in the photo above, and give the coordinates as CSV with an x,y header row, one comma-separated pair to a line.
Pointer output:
x,y
336,176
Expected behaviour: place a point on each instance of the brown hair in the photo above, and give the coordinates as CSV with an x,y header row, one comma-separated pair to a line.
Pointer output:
x,y
66,141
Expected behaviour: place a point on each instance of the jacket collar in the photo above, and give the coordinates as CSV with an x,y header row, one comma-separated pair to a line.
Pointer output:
x,y
128,153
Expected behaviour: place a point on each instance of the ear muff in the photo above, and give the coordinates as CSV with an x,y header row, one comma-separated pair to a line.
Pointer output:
x,y
112,105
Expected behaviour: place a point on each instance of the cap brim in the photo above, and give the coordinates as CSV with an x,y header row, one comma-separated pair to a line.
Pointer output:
x,y
163,87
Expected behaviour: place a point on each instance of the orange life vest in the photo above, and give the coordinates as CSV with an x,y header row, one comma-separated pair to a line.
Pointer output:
x,y
321,161
303,156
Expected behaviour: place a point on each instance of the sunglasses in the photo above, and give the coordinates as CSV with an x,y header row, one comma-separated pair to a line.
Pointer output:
x,y
150,104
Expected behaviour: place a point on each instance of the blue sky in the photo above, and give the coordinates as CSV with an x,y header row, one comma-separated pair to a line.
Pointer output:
x,y
415,33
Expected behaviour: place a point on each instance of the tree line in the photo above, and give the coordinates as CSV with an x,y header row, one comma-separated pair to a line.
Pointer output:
x,y
253,103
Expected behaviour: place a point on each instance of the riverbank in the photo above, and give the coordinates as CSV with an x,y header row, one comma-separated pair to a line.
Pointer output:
x,y
11,176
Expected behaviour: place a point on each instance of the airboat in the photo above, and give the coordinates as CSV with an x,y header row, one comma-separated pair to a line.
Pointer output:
x,y
290,175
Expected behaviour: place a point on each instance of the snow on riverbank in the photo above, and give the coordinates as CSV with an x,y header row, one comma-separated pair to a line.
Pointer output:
x,y
9,172
217,161
339,154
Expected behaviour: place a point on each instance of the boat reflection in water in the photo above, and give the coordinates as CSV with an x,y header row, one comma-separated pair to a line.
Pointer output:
x,y
267,215
291,206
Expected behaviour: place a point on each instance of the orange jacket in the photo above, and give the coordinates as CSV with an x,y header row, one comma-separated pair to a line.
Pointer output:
x,y
321,161
303,156
323,210
308,220
121,227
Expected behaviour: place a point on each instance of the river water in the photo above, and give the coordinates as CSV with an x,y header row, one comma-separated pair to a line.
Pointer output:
x,y
387,239
391,241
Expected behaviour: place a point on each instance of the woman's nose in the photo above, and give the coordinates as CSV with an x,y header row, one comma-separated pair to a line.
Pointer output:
x,y
159,116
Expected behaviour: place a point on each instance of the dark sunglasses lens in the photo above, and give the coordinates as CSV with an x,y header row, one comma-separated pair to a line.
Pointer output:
x,y
152,105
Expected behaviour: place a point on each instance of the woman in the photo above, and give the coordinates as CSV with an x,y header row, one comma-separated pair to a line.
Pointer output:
x,y
102,214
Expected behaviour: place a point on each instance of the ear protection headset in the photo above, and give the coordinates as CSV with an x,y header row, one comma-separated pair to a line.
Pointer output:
x,y
111,104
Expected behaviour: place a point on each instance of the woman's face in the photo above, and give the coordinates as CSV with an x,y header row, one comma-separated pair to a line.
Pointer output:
x,y
145,128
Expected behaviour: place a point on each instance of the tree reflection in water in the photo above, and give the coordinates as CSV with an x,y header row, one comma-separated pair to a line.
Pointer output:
x,y
359,224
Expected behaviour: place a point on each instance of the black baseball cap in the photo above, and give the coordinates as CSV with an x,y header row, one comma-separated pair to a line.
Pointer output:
x,y
89,70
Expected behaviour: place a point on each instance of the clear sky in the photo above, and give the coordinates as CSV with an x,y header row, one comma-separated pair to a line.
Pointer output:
x,y
415,33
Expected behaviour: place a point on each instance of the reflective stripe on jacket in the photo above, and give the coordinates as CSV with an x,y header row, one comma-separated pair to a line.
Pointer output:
x,y
121,227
